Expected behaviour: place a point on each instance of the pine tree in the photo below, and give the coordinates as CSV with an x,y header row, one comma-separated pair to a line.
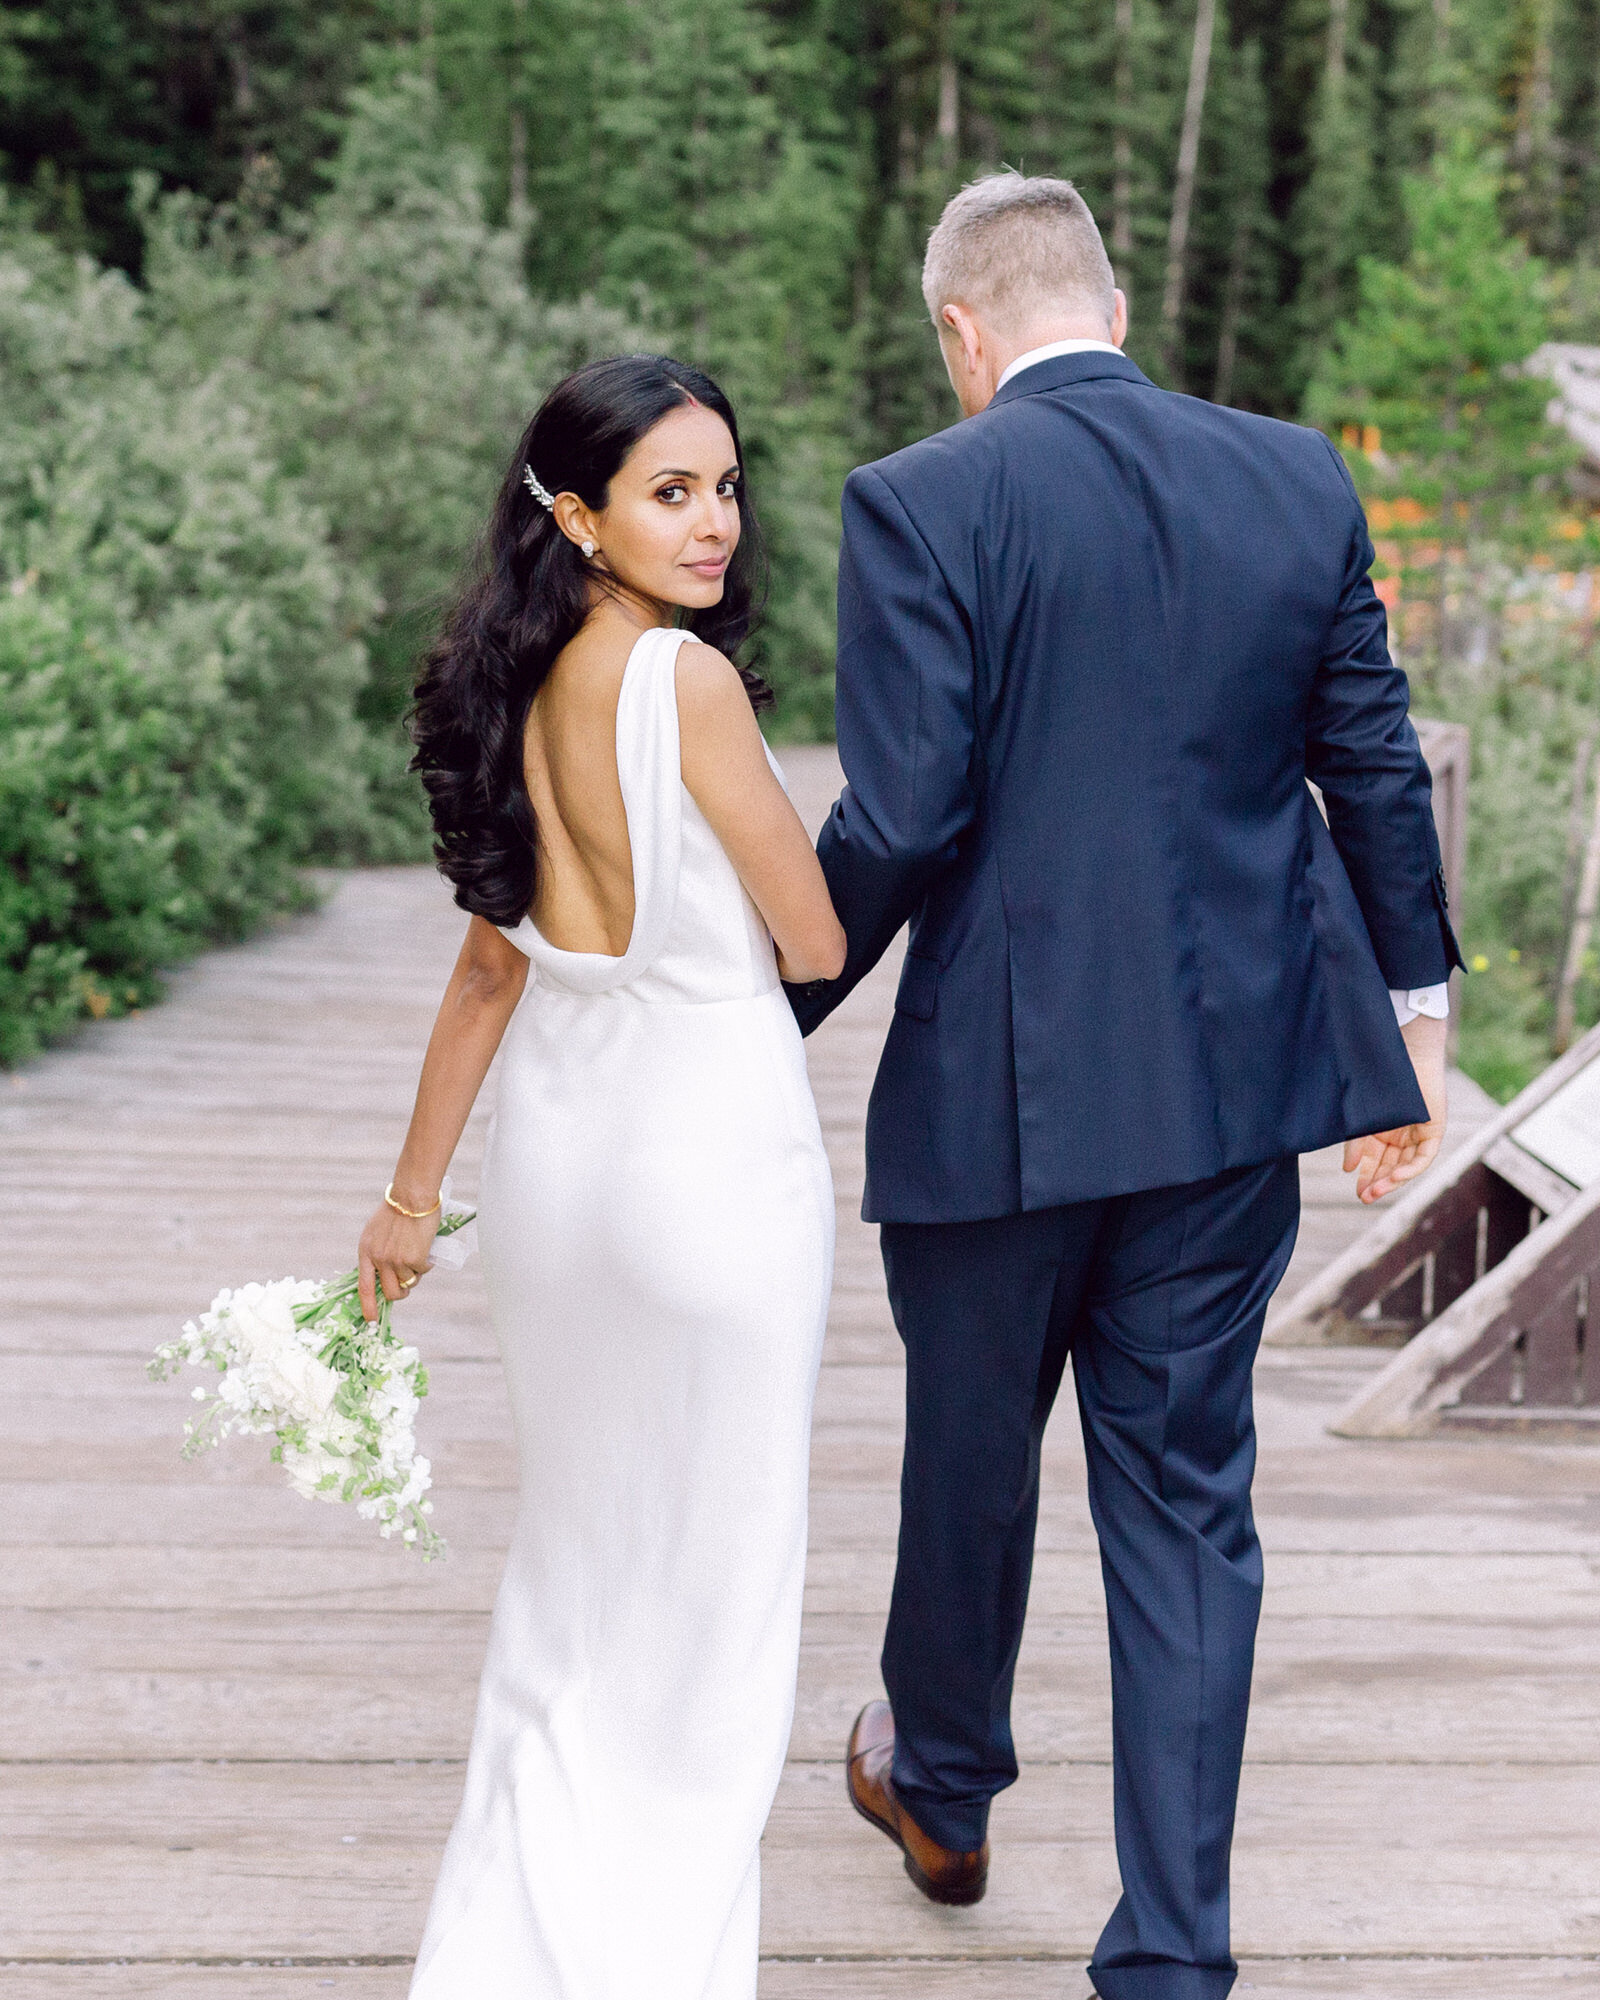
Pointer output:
x,y
1333,208
1533,183
94,92
1237,244
1424,387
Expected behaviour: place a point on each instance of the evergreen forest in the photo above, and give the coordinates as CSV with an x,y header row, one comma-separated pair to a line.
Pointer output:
x,y
278,286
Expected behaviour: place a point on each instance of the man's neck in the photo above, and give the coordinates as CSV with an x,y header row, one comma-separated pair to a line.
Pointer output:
x,y
976,390
1049,336
1047,350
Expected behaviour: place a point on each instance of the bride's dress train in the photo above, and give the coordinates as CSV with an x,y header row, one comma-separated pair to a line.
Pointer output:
x,y
656,1219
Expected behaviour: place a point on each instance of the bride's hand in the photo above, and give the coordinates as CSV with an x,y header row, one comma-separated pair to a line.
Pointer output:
x,y
393,1254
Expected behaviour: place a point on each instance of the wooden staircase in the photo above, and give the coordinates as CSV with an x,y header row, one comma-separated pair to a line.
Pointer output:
x,y
1480,1276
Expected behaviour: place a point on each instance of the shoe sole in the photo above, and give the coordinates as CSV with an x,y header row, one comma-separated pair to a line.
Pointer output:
x,y
962,1898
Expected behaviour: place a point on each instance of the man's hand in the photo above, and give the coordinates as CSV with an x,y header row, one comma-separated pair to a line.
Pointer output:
x,y
1383,1161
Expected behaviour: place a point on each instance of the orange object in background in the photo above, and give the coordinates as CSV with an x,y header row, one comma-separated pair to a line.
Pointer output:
x,y
1401,513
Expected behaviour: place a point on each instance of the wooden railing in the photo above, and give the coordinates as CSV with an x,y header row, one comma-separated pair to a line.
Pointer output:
x,y
1481,1276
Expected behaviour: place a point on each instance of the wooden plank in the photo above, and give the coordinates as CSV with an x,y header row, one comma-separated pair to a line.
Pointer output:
x,y
239,1981
1292,1521
1529,1176
1351,1584
1490,1861
813,1978
1344,1976
162,1687
150,1859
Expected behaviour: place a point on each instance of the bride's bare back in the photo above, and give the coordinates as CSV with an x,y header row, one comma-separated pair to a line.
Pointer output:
x,y
583,885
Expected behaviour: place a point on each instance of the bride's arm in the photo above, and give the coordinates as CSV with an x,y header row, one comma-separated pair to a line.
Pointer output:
x,y
726,771
482,995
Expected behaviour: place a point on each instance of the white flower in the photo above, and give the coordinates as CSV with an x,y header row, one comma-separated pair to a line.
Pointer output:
x,y
345,1426
308,1469
260,1320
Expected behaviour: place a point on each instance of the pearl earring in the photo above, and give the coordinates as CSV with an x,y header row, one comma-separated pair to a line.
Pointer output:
x,y
588,548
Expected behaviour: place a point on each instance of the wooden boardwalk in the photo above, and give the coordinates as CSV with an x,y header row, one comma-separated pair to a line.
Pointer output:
x,y
232,1724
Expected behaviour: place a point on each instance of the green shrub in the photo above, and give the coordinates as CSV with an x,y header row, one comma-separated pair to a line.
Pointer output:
x,y
180,657
1527,689
229,505
135,823
390,352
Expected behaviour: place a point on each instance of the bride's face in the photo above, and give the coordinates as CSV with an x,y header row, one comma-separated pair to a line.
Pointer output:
x,y
670,524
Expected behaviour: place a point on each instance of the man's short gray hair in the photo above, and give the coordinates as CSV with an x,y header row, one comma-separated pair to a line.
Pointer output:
x,y
1017,249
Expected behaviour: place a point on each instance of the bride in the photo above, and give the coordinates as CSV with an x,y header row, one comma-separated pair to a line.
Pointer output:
x,y
656,1216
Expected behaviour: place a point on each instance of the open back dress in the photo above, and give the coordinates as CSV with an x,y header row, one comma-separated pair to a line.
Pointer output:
x,y
656,1223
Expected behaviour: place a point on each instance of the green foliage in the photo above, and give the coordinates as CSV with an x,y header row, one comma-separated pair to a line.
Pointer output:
x,y
1480,537
1432,357
1444,431
727,224
247,488
179,660
618,134
1532,702
389,349
225,502
137,821
96,92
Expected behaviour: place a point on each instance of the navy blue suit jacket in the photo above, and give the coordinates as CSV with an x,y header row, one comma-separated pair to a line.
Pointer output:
x,y
1092,643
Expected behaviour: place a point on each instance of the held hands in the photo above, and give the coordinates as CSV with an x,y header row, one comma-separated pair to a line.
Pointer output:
x,y
394,1253
1385,1160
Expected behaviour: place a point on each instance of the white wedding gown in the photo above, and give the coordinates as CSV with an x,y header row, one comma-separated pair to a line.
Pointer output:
x,y
656,1222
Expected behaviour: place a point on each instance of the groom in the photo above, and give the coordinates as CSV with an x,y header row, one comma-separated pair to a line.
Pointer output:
x,y
1092,643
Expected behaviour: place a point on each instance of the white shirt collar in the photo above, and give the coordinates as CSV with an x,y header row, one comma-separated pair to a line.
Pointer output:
x,y
1035,355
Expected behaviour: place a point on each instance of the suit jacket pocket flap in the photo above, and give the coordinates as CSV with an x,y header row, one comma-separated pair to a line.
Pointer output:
x,y
919,987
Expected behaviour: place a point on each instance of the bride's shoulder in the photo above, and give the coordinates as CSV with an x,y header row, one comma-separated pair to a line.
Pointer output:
x,y
714,712
707,680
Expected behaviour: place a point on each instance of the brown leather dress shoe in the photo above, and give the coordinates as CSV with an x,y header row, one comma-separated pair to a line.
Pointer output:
x,y
942,1875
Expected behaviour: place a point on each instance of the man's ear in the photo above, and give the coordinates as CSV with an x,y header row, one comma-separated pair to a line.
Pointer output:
x,y
963,334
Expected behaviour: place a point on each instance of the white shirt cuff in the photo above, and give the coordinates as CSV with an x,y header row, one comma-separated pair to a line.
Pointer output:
x,y
1434,1001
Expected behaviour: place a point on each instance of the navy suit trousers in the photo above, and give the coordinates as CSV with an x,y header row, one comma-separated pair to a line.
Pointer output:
x,y
1159,1300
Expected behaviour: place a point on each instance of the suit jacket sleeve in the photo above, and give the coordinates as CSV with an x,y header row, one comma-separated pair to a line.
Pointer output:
x,y
904,707
1362,751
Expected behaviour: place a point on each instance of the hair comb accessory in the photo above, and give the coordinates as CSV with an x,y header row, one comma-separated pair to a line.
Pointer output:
x,y
530,479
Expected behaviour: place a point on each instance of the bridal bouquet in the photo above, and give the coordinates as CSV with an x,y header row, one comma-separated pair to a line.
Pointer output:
x,y
298,1358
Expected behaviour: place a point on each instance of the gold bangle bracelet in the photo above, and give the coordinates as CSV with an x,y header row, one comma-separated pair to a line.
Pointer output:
x,y
411,1214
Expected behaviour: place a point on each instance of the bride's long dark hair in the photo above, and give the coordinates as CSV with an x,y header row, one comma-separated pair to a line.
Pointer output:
x,y
531,593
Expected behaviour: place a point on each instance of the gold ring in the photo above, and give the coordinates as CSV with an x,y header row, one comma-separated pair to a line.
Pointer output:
x,y
407,1283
